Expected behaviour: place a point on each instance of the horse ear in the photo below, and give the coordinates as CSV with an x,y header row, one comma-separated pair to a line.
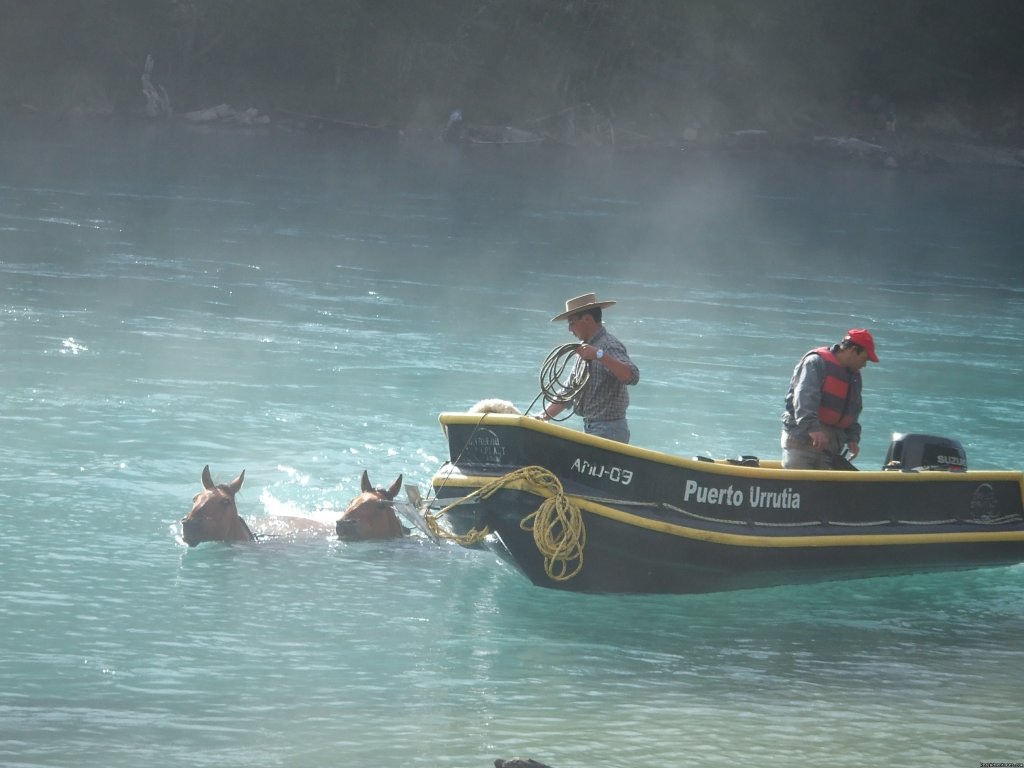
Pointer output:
x,y
207,480
236,484
395,488
364,484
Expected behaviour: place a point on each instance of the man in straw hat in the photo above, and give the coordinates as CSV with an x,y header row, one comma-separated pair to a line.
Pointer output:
x,y
824,403
603,401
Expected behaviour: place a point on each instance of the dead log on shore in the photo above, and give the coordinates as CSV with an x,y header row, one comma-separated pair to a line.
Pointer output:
x,y
158,104
225,113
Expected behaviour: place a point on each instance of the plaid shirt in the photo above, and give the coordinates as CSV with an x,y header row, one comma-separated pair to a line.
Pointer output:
x,y
604,398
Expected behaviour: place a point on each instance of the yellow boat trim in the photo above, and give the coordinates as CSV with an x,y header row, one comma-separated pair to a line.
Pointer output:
x,y
746,540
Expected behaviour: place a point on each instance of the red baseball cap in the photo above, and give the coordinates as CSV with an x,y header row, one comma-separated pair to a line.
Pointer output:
x,y
863,338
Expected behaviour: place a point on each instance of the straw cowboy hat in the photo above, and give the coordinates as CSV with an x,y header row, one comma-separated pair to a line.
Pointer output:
x,y
581,304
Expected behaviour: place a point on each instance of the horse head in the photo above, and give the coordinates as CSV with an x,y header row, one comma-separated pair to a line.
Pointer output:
x,y
214,516
371,514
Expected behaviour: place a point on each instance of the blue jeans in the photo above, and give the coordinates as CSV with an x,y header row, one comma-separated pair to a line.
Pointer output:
x,y
798,454
804,458
616,429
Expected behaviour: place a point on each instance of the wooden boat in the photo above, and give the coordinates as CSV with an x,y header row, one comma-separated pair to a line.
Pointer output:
x,y
577,512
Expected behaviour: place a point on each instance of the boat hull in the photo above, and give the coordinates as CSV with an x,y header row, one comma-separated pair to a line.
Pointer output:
x,y
654,523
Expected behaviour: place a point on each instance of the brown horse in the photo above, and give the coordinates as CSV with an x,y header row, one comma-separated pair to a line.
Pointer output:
x,y
214,516
371,514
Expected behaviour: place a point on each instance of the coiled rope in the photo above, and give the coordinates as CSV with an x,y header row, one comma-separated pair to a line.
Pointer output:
x,y
557,524
558,382
558,530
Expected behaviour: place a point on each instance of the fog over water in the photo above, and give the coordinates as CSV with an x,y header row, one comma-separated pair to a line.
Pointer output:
x,y
302,307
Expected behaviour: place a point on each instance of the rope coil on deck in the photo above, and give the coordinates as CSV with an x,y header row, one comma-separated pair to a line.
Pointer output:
x,y
557,524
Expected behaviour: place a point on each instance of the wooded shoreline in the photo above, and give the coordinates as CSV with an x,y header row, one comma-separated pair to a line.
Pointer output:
x,y
708,73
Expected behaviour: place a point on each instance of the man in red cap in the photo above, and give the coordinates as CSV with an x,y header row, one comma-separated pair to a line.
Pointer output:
x,y
824,403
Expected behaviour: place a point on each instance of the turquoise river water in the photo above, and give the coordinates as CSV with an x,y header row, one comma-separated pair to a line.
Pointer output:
x,y
302,307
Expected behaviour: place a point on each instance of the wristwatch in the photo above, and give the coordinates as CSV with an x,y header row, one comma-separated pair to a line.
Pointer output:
x,y
600,354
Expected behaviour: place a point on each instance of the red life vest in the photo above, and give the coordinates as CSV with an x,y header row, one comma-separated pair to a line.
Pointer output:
x,y
839,391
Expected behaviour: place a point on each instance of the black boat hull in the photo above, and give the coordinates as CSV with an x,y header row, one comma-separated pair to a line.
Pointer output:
x,y
654,523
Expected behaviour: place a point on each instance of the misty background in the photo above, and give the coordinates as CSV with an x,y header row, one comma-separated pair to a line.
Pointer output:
x,y
299,300
634,72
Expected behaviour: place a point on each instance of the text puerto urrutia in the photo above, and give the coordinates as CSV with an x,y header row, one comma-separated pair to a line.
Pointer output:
x,y
787,498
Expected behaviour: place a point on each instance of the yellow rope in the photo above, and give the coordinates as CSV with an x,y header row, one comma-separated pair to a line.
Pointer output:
x,y
557,527
468,540
557,524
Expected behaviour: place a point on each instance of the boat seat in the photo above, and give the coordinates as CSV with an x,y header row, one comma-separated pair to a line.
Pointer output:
x,y
895,466
745,461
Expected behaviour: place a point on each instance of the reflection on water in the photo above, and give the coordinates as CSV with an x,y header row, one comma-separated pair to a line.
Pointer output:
x,y
302,309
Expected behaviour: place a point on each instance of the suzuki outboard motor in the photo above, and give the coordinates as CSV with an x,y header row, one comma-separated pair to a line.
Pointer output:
x,y
912,452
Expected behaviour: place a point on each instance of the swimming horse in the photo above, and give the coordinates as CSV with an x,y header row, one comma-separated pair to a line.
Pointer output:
x,y
214,516
371,514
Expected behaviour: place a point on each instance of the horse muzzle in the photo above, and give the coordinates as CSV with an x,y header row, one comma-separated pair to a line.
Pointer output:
x,y
348,530
190,533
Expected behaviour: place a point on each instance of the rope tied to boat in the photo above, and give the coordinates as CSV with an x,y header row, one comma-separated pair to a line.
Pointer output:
x,y
557,524
470,538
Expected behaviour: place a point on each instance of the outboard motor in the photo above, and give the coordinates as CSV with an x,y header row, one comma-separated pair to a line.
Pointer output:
x,y
913,452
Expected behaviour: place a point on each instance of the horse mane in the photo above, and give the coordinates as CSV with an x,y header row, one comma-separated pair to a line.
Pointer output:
x,y
246,528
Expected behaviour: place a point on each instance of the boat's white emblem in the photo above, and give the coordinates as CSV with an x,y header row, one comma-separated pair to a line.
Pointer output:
x,y
984,505
484,447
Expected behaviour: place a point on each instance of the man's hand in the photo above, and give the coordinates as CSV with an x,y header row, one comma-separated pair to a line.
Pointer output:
x,y
819,440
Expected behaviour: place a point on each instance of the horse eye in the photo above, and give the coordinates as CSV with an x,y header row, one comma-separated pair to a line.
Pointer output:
x,y
225,502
